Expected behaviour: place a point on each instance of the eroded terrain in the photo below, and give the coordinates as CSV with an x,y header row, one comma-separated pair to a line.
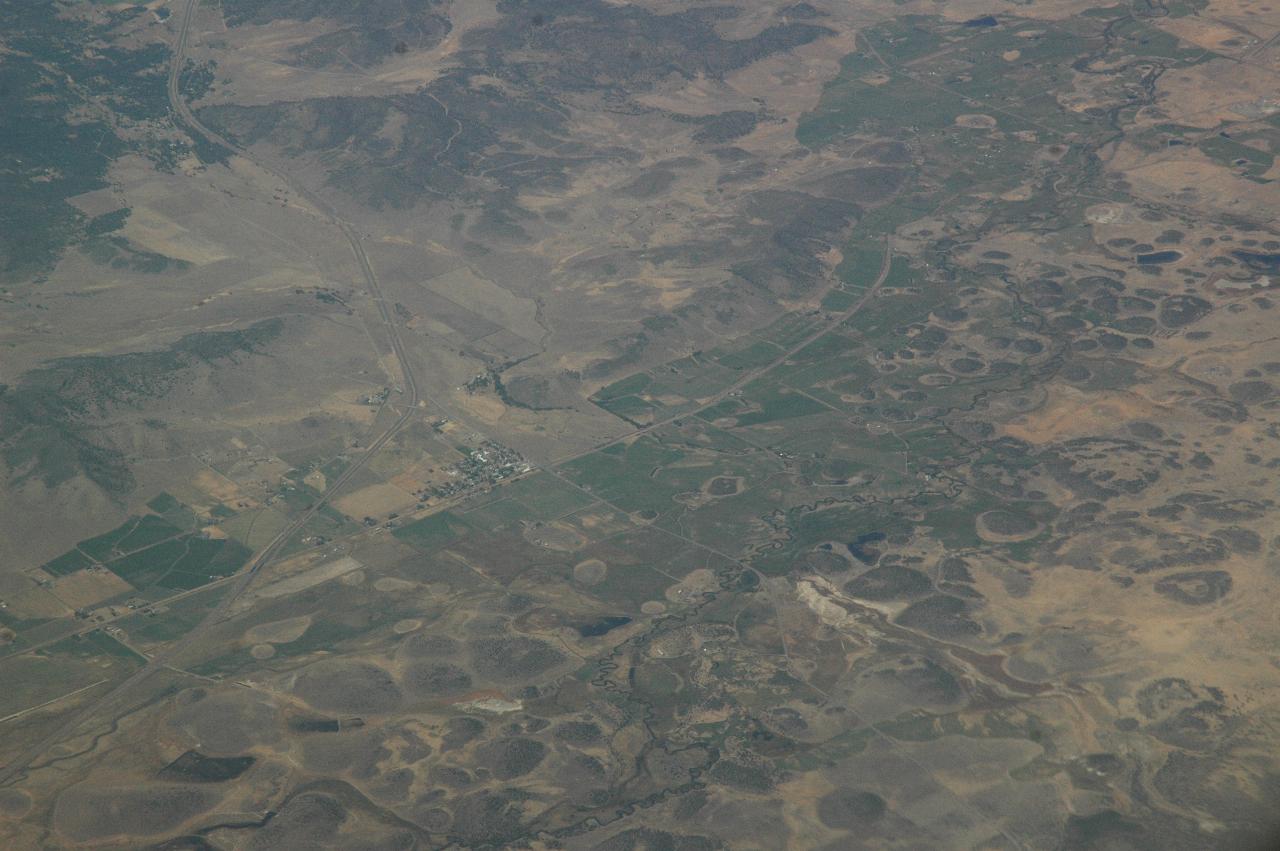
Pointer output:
x,y
648,425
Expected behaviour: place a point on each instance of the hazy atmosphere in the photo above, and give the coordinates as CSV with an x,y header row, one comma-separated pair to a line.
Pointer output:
x,y
639,425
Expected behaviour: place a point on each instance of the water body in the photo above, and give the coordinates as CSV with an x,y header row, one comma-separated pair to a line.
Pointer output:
x,y
602,626
1257,261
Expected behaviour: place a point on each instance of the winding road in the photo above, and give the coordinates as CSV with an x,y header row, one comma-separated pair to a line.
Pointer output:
x,y
183,115
414,396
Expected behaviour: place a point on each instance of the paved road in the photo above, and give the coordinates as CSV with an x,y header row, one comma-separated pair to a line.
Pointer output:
x,y
751,375
267,554
163,659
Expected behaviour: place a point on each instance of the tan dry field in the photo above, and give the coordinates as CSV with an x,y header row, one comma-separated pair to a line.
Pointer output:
x,y
279,632
83,588
1005,585
375,501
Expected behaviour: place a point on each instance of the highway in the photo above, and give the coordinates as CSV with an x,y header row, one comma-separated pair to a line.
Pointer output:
x,y
183,116
751,375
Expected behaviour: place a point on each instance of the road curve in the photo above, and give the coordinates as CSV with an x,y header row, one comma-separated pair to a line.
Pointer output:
x,y
183,115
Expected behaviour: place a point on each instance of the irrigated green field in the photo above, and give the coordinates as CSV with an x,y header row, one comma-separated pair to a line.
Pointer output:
x,y
586,425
